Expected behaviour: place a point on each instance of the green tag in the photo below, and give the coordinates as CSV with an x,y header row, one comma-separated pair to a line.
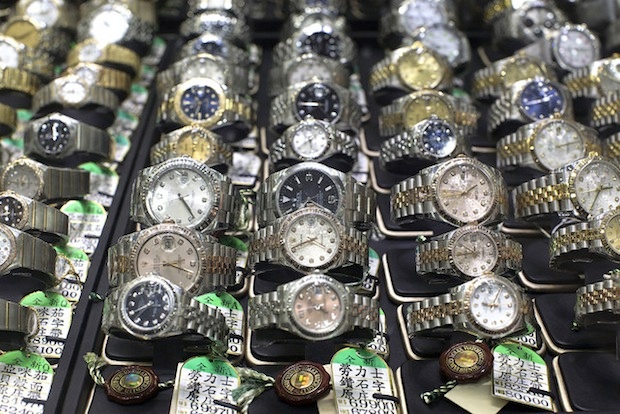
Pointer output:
x,y
45,299
27,360
79,259
86,221
54,314
245,169
24,115
103,183
358,356
121,147
233,312
211,366
26,382
459,93
373,262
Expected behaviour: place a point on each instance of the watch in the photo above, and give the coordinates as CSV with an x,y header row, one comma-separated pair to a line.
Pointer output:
x,y
290,189
468,252
314,307
115,80
183,256
599,302
313,140
215,45
234,29
307,240
408,111
604,113
40,38
27,255
183,190
238,8
583,188
151,307
208,103
495,80
489,307
57,138
8,120
44,183
49,13
446,40
459,191
14,54
526,101
38,219
317,99
597,79
14,79
18,324
196,142
109,55
546,145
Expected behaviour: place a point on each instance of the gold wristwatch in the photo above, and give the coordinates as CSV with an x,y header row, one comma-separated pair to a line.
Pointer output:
x,y
37,36
606,110
111,55
19,80
17,55
599,302
115,80
596,80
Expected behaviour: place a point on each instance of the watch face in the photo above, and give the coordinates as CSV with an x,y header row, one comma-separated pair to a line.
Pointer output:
x,y
11,211
426,105
538,20
308,69
109,25
53,136
597,186
444,41
612,233
540,99
9,56
317,308
195,146
7,248
22,179
43,11
87,74
419,13
420,70
520,68
439,139
147,306
200,102
308,185
319,101
575,49
213,46
475,252
90,52
204,68
494,305
323,44
465,193
558,143
24,32
310,140
73,92
311,240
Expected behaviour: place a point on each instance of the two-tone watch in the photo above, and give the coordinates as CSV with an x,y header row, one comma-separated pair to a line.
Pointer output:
x,y
184,190
20,80
446,40
599,302
215,45
314,307
234,29
18,324
17,55
489,306
39,37
596,79
604,113
8,119
110,55
115,80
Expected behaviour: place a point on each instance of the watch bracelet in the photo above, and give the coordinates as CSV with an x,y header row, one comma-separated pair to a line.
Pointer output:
x,y
49,94
108,78
15,318
65,183
36,257
287,49
235,29
339,143
611,147
109,54
605,110
19,80
434,312
544,195
138,30
585,83
595,298
234,54
45,219
165,150
8,116
408,144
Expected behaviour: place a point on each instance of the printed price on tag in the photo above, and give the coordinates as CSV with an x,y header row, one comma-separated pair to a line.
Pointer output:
x,y
86,221
54,314
379,342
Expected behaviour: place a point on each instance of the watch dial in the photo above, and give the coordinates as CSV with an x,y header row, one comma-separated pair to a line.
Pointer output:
x,y
309,141
109,26
540,99
53,136
423,106
73,92
90,52
416,14
214,47
438,139
308,69
6,246
317,308
318,101
537,21
9,56
597,187
148,305
444,41
612,233
494,305
200,102
575,49
181,194
22,179
308,185
420,70
43,11
11,211
465,193
557,144
195,146
87,74
311,240
519,69
323,44
475,253
204,68
24,32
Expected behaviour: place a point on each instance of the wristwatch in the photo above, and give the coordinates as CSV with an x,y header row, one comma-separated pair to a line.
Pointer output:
x,y
196,142
183,256
40,38
546,145
595,80
314,307
185,191
489,307
583,188
238,8
468,252
459,191
115,80
208,103
526,101
313,140
57,138
290,189
407,16
17,55
216,45
305,68
605,111
109,55
14,79
307,240
312,16
406,112
446,40
495,80
27,255
56,13
321,100
38,219
411,68
150,308
44,183
8,120
18,324
234,29
333,7
599,302
432,140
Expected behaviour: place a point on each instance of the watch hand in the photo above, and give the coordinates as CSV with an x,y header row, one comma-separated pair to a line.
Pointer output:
x,y
144,307
541,100
301,243
184,202
494,303
469,189
309,103
176,266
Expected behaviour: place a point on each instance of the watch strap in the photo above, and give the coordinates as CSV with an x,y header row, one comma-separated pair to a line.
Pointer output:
x,y
544,195
598,302
50,95
290,48
35,256
15,319
432,313
167,148
606,110
19,80
65,183
44,221
8,119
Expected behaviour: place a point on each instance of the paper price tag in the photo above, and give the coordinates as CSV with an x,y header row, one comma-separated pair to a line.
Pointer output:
x,y
379,343
54,314
86,221
233,312
25,382
124,124
121,148
531,339
71,268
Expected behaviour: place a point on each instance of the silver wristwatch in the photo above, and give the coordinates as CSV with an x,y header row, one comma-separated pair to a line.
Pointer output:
x,y
239,8
33,217
489,306
43,183
468,252
27,255
185,191
599,78
216,45
599,302
150,307
447,40
314,307
60,138
224,24
18,324
290,189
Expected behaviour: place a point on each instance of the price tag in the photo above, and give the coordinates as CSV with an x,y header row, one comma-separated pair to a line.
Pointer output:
x,y
361,168
233,312
134,104
379,343
158,47
531,339
357,90
72,268
86,221
25,382
103,183
121,147
520,375
124,124
245,169
54,315
373,262
204,386
362,383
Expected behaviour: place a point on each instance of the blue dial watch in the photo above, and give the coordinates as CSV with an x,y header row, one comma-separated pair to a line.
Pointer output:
x,y
541,99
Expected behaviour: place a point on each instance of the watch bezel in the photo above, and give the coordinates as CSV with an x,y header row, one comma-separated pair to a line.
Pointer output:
x,y
575,169
306,124
181,88
25,163
119,8
543,124
594,43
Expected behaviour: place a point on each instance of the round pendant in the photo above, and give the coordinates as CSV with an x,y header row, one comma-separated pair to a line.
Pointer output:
x,y
302,383
131,385
466,361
